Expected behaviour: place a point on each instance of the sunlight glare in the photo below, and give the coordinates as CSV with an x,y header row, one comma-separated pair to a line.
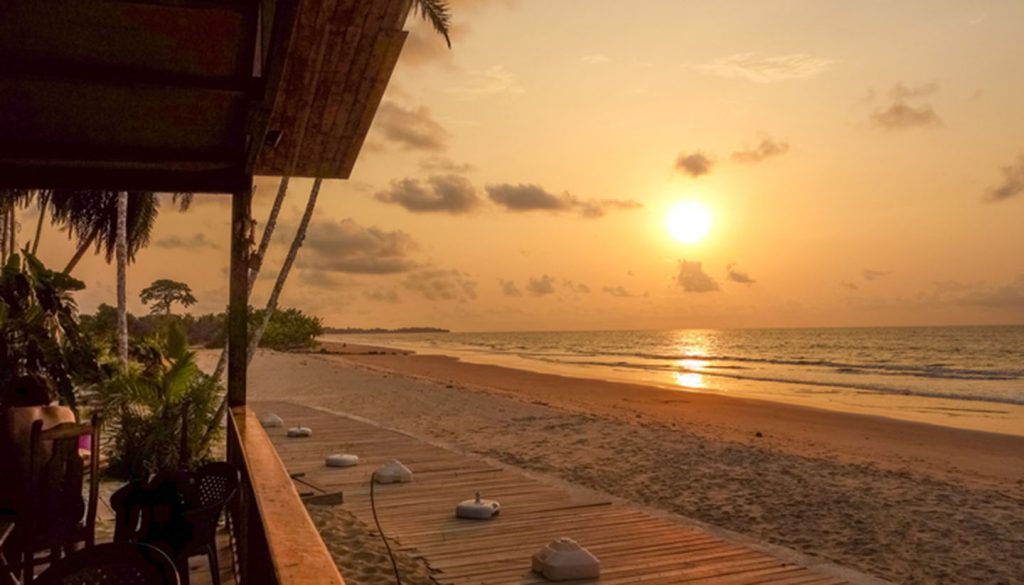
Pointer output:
x,y
689,221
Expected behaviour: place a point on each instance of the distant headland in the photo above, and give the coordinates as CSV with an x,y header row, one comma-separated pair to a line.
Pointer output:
x,y
378,330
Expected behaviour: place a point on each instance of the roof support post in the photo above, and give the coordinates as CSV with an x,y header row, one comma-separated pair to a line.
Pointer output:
x,y
238,292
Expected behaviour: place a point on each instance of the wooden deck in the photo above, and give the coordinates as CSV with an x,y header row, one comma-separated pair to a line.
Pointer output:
x,y
634,546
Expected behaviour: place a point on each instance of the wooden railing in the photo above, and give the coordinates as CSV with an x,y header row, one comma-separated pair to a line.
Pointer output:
x,y
276,543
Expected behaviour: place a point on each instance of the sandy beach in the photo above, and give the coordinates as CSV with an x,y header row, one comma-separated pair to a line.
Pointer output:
x,y
904,501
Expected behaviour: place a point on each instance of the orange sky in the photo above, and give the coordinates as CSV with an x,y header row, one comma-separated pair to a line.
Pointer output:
x,y
863,161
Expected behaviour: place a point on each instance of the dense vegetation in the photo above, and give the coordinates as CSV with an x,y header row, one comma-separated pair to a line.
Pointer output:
x,y
289,329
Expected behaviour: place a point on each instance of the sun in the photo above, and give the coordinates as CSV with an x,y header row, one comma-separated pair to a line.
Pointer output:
x,y
689,221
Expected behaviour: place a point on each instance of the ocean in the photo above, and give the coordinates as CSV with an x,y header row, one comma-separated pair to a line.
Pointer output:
x,y
975,364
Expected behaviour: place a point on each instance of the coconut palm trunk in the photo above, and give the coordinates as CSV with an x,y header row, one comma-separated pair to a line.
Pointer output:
x,y
44,200
257,262
282,277
83,247
122,269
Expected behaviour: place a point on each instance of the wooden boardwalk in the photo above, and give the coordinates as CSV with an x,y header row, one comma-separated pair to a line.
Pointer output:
x,y
634,546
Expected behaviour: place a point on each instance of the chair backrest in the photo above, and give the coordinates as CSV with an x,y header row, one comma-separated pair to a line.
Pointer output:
x,y
214,485
113,564
56,512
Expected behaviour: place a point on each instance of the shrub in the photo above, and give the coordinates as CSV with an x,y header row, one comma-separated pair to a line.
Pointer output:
x,y
147,404
39,328
288,329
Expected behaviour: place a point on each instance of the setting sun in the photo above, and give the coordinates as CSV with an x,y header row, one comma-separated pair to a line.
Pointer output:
x,y
689,221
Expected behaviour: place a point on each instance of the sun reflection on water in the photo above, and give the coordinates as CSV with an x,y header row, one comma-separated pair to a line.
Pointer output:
x,y
689,373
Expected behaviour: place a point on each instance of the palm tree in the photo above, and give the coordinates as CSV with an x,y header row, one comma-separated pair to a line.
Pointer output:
x,y
436,12
256,262
10,201
117,223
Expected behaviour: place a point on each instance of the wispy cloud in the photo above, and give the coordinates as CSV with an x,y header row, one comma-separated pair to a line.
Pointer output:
x,y
870,274
767,148
901,116
445,165
1012,183
596,59
196,242
437,284
495,80
529,197
382,295
768,69
694,164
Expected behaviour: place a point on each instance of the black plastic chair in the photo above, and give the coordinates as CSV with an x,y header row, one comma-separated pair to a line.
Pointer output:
x,y
207,492
113,564
178,512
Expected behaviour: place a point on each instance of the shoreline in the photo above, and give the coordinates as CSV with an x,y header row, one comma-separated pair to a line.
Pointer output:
x,y
798,429
908,502
977,414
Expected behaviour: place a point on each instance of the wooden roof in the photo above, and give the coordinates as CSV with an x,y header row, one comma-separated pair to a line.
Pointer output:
x,y
189,95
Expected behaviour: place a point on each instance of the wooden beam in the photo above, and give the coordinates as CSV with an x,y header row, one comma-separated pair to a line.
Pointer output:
x,y
45,69
277,44
238,293
64,176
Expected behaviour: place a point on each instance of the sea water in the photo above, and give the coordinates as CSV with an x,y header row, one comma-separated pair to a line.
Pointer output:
x,y
851,366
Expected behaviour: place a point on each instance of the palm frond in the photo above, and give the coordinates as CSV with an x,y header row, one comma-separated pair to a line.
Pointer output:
x,y
437,13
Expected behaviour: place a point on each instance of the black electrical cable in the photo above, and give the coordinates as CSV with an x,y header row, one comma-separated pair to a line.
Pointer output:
x,y
373,508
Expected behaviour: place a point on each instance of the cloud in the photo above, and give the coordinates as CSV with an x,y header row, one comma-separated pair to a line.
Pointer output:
x,y
692,278
694,164
438,284
196,242
902,92
869,274
1012,184
596,59
382,295
849,285
576,287
346,246
901,116
447,194
445,165
738,276
545,285
753,67
766,149
509,288
618,291
412,129
528,197
495,80
1008,296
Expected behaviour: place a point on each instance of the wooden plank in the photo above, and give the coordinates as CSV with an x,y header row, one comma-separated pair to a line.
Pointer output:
x,y
418,518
